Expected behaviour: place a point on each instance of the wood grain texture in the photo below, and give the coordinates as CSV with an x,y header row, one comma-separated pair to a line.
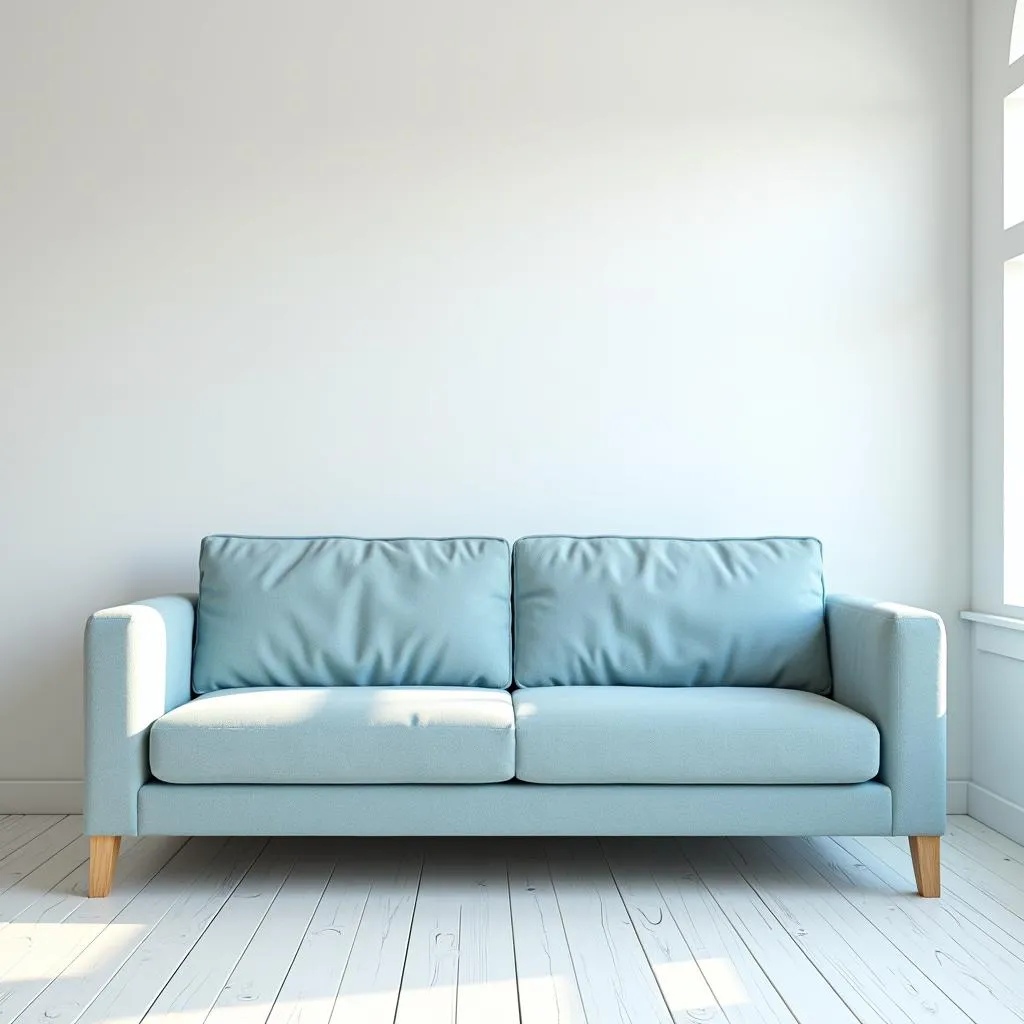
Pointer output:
x,y
16,830
375,971
253,987
946,943
548,992
57,930
310,989
925,853
431,977
959,892
487,991
38,850
615,979
508,931
989,869
960,825
36,884
744,992
103,851
117,976
193,989
871,973
678,971
807,993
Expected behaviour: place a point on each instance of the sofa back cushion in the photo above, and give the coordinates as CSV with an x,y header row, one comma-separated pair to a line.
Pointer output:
x,y
662,612
338,611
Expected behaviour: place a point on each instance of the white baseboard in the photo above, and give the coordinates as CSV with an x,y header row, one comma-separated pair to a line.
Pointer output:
x,y
956,796
996,812
32,797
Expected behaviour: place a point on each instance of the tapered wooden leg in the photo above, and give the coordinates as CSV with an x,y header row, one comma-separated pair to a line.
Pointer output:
x,y
103,851
924,851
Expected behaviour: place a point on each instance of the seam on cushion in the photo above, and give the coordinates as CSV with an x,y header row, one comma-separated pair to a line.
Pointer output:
x,y
514,569
510,548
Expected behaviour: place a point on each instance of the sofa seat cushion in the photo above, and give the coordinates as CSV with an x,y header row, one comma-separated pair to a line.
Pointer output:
x,y
337,735
705,735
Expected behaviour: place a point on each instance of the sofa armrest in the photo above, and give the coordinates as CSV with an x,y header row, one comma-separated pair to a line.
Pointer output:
x,y
138,666
889,663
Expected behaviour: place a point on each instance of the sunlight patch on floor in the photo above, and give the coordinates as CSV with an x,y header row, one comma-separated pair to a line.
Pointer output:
x,y
725,982
28,951
685,983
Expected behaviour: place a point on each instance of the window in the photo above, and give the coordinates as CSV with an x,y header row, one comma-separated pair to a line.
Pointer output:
x,y
1013,319
1017,34
1013,157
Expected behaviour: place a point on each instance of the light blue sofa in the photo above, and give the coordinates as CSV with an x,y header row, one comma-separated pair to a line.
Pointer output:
x,y
571,686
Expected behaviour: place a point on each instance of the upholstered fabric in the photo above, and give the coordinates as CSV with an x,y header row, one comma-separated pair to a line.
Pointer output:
x,y
334,611
889,663
137,661
663,612
698,735
515,809
421,734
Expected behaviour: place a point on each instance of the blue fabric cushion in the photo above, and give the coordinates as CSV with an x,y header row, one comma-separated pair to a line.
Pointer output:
x,y
422,734
663,612
336,611
690,736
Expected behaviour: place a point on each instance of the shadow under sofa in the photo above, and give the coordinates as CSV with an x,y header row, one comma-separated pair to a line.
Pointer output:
x,y
335,686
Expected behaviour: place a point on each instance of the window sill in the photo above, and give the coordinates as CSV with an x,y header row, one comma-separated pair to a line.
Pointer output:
x,y
999,621
1001,635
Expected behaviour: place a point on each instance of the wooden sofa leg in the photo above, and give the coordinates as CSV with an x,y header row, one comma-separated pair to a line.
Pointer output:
x,y
924,851
103,851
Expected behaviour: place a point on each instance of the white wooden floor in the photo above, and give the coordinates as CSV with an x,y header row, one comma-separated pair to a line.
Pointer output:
x,y
324,931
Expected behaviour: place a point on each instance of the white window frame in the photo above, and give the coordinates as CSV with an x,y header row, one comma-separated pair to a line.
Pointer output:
x,y
998,457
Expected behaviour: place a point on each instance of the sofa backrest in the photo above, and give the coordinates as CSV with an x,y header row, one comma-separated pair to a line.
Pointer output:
x,y
669,612
338,611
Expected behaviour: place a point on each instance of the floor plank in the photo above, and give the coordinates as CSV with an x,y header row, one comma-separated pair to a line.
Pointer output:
x,y
118,976
744,992
510,931
373,976
1006,927
19,829
995,873
682,982
190,994
57,929
959,823
309,992
614,977
461,964
250,993
548,993
807,994
38,850
431,977
487,991
37,884
873,976
943,942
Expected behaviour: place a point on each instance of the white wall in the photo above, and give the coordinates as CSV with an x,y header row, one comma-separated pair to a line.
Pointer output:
x,y
997,770
672,266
